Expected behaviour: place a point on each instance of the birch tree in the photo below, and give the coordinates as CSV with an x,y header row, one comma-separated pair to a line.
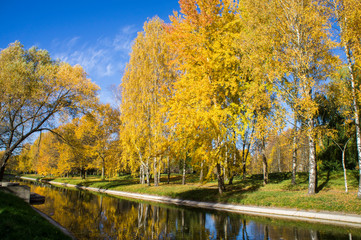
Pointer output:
x,y
348,16
145,85
304,59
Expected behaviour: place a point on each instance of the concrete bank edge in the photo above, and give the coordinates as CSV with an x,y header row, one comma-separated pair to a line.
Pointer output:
x,y
350,220
55,223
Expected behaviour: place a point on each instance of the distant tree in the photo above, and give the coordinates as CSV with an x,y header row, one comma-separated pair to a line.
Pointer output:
x,y
103,124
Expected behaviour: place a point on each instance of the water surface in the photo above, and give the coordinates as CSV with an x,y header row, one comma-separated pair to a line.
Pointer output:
x,y
94,216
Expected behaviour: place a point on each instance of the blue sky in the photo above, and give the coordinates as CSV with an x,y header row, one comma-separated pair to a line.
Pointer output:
x,y
95,34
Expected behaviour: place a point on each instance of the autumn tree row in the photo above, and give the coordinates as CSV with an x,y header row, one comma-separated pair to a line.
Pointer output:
x,y
86,143
225,75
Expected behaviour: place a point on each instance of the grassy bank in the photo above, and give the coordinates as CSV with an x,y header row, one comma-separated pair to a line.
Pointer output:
x,y
278,193
19,221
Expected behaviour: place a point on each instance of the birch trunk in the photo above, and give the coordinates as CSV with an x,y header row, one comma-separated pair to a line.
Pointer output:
x,y
184,172
312,182
343,150
155,171
356,116
294,157
348,52
147,172
168,169
141,174
344,170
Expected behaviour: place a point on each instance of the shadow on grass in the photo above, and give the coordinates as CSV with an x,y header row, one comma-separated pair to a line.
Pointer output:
x,y
105,184
211,194
273,177
325,182
355,181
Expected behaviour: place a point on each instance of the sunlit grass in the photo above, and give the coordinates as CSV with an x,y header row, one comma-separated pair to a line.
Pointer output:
x,y
278,193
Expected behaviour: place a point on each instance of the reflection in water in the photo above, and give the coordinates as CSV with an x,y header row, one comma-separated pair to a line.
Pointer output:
x,y
90,216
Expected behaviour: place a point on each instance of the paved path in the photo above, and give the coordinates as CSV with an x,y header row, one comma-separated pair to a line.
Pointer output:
x,y
335,218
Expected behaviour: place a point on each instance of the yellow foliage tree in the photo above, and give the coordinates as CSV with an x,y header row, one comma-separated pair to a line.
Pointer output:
x,y
208,96
348,16
35,90
145,86
303,60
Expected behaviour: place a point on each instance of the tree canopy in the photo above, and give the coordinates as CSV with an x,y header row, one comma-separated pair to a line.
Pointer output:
x,y
36,93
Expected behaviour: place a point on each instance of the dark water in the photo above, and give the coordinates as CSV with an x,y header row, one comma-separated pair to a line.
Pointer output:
x,y
91,216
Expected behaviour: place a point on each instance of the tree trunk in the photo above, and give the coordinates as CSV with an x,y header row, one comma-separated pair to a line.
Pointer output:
x,y
4,159
230,182
312,182
2,171
184,171
168,169
279,158
159,176
344,169
82,173
265,169
225,173
357,120
265,164
141,174
201,173
343,150
294,156
221,186
354,99
245,156
103,169
147,172
244,162
155,171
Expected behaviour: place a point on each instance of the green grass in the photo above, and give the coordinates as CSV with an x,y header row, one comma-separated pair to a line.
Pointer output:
x,y
279,192
19,221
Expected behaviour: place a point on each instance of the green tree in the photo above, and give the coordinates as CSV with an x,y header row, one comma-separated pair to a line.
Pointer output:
x,y
348,16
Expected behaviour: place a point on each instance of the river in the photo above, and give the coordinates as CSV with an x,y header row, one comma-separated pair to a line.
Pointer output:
x,y
93,216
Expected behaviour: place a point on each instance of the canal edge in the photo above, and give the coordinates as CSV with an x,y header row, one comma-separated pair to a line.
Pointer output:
x,y
55,223
334,218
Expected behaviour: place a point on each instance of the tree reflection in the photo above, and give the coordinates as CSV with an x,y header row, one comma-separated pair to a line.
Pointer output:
x,y
90,216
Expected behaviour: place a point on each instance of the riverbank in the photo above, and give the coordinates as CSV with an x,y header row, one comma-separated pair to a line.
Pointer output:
x,y
279,193
18,220
339,218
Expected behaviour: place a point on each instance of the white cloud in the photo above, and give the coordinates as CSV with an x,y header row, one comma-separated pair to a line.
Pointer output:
x,y
104,57
123,41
